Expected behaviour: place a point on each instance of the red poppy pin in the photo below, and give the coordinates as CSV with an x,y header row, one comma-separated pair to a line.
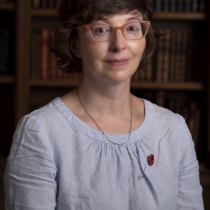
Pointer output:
x,y
151,159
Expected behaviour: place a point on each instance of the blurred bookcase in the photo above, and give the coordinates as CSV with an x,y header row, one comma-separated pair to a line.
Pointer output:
x,y
177,76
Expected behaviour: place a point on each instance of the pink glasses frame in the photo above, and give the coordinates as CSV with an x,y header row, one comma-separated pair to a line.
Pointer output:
x,y
88,26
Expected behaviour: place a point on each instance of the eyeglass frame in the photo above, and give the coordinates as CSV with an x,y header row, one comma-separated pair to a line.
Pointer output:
x,y
115,28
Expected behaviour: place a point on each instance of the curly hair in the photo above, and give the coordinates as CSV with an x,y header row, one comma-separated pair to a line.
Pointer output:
x,y
75,13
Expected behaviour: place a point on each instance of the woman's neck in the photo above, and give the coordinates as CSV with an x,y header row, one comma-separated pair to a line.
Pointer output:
x,y
106,99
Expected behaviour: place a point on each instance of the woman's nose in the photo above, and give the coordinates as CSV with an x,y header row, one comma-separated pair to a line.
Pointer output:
x,y
118,41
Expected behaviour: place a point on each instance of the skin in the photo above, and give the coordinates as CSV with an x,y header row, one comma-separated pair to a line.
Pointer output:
x,y
107,70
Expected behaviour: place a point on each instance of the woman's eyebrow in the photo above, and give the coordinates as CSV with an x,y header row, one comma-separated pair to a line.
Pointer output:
x,y
101,18
139,18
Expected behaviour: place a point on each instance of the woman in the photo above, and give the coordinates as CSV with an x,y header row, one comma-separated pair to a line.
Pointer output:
x,y
98,147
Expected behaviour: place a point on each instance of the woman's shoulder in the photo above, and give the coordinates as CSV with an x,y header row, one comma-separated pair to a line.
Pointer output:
x,y
164,120
160,113
44,116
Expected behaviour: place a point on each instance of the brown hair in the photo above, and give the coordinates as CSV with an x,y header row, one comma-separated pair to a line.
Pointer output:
x,y
74,13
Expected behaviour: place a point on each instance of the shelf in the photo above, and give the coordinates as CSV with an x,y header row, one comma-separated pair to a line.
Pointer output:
x,y
195,86
7,6
180,16
158,15
6,80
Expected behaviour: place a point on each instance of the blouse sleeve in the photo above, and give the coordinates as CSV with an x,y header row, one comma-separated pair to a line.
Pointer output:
x,y
189,189
30,175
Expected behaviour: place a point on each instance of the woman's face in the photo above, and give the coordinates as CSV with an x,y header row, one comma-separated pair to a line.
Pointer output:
x,y
115,60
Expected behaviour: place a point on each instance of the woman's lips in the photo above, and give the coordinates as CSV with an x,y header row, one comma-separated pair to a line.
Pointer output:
x,y
117,62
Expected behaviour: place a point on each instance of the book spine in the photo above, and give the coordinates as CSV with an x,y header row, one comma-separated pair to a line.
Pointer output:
x,y
44,53
149,70
194,5
160,55
183,59
34,61
173,6
188,6
172,56
158,5
180,5
142,75
44,4
166,58
178,55
51,4
202,5
160,98
35,4
57,3
52,60
165,5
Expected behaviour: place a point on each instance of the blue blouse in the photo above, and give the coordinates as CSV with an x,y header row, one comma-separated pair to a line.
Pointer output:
x,y
58,162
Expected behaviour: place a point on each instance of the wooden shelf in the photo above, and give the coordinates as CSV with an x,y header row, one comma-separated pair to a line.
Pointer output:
x,y
180,16
195,86
6,80
7,6
158,15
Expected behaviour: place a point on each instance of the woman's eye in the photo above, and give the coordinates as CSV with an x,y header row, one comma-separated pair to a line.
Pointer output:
x,y
133,28
101,30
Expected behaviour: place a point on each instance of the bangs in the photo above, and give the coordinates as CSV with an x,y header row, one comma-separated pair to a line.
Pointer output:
x,y
88,10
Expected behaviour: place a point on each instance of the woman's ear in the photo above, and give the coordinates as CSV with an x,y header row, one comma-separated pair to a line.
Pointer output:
x,y
73,45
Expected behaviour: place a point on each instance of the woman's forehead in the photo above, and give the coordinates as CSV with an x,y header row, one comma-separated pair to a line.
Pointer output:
x,y
123,14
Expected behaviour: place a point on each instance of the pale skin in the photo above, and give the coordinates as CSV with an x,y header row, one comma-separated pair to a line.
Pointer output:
x,y
107,70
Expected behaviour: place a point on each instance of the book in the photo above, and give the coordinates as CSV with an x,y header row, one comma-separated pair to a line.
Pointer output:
x,y
57,3
148,76
173,5
51,4
43,45
202,7
34,55
183,56
188,6
194,5
44,4
172,56
160,98
165,5
35,4
180,5
160,55
158,5
166,56
178,56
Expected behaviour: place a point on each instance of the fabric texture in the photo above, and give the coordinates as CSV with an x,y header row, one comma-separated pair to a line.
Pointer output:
x,y
58,162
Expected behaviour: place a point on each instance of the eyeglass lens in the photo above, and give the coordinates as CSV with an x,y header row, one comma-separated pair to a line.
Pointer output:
x,y
103,32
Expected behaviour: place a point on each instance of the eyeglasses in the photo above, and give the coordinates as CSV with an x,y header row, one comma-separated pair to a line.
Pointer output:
x,y
132,30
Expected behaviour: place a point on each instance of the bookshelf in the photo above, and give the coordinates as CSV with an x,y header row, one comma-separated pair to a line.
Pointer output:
x,y
9,80
7,74
30,92
9,6
194,86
